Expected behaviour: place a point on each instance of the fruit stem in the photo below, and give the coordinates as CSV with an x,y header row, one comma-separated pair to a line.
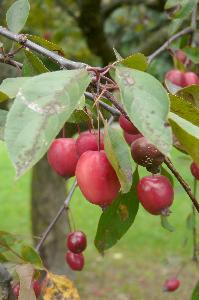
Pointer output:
x,y
64,131
184,184
56,218
194,229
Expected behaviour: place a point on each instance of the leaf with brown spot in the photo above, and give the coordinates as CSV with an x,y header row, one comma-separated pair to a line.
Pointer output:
x,y
187,134
117,218
59,288
147,104
42,105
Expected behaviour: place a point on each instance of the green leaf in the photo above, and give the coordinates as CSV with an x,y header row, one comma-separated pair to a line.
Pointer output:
x,y
7,239
33,65
25,273
190,93
117,55
184,109
117,218
165,173
3,116
135,61
78,116
42,106
119,156
17,15
10,86
46,44
30,255
175,26
147,104
3,97
180,8
192,54
165,224
3,259
195,294
187,134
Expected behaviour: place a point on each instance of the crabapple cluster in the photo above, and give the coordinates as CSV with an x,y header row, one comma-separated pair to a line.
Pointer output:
x,y
76,244
180,78
155,192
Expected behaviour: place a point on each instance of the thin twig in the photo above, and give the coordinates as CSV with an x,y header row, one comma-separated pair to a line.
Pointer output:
x,y
168,42
194,229
182,182
10,62
114,101
194,25
56,218
109,108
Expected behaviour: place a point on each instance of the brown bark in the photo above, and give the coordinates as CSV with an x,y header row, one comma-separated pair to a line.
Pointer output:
x,y
48,194
92,25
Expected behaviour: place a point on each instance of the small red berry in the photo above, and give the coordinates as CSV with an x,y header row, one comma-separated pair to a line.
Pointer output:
x,y
130,138
155,193
127,126
89,141
171,284
146,154
75,260
15,290
195,170
76,241
176,77
63,157
96,178
36,285
181,56
190,78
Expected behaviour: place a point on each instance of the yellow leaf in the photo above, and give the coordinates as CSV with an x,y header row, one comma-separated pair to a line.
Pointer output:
x,y
59,288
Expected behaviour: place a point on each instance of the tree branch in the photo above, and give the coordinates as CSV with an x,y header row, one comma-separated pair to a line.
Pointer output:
x,y
56,218
22,40
168,42
183,183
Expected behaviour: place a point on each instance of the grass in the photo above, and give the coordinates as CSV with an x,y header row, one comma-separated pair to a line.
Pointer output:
x,y
138,265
